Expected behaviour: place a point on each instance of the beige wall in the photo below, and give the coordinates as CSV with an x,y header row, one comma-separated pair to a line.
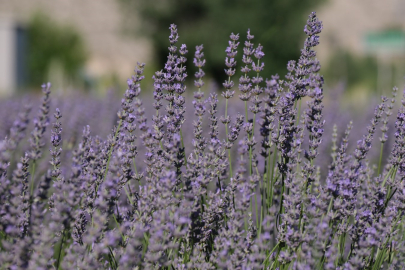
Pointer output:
x,y
99,22
7,53
347,21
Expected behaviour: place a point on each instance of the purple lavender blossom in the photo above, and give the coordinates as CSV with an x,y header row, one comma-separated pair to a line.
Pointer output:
x,y
126,195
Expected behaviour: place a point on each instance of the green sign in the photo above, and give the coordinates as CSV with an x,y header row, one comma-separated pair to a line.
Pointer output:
x,y
386,42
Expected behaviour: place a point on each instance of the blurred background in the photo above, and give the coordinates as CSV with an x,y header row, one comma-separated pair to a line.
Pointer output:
x,y
91,46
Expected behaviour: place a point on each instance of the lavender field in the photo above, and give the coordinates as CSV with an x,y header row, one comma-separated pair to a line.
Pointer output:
x,y
257,174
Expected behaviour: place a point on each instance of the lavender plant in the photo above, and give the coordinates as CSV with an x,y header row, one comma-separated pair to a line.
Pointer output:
x,y
168,188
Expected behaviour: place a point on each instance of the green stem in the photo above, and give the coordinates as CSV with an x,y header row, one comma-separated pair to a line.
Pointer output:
x,y
388,174
276,258
298,113
226,131
257,212
263,201
111,149
134,163
32,177
283,190
113,261
268,177
128,195
246,112
379,162
182,146
119,227
271,252
272,177
60,250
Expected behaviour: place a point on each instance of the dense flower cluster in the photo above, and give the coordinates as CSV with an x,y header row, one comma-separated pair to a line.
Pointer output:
x,y
230,191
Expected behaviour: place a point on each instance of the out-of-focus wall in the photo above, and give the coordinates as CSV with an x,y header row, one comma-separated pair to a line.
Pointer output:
x,y
346,22
100,24
7,59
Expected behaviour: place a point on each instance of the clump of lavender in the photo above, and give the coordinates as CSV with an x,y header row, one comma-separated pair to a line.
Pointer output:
x,y
179,192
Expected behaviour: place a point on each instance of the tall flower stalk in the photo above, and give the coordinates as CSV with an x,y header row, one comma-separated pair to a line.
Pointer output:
x,y
37,134
230,63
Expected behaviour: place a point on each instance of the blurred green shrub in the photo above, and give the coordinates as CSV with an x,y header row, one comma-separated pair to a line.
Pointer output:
x,y
51,44
353,70
277,25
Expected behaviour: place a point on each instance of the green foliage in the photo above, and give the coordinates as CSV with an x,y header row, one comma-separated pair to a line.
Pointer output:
x,y
277,25
354,70
50,43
